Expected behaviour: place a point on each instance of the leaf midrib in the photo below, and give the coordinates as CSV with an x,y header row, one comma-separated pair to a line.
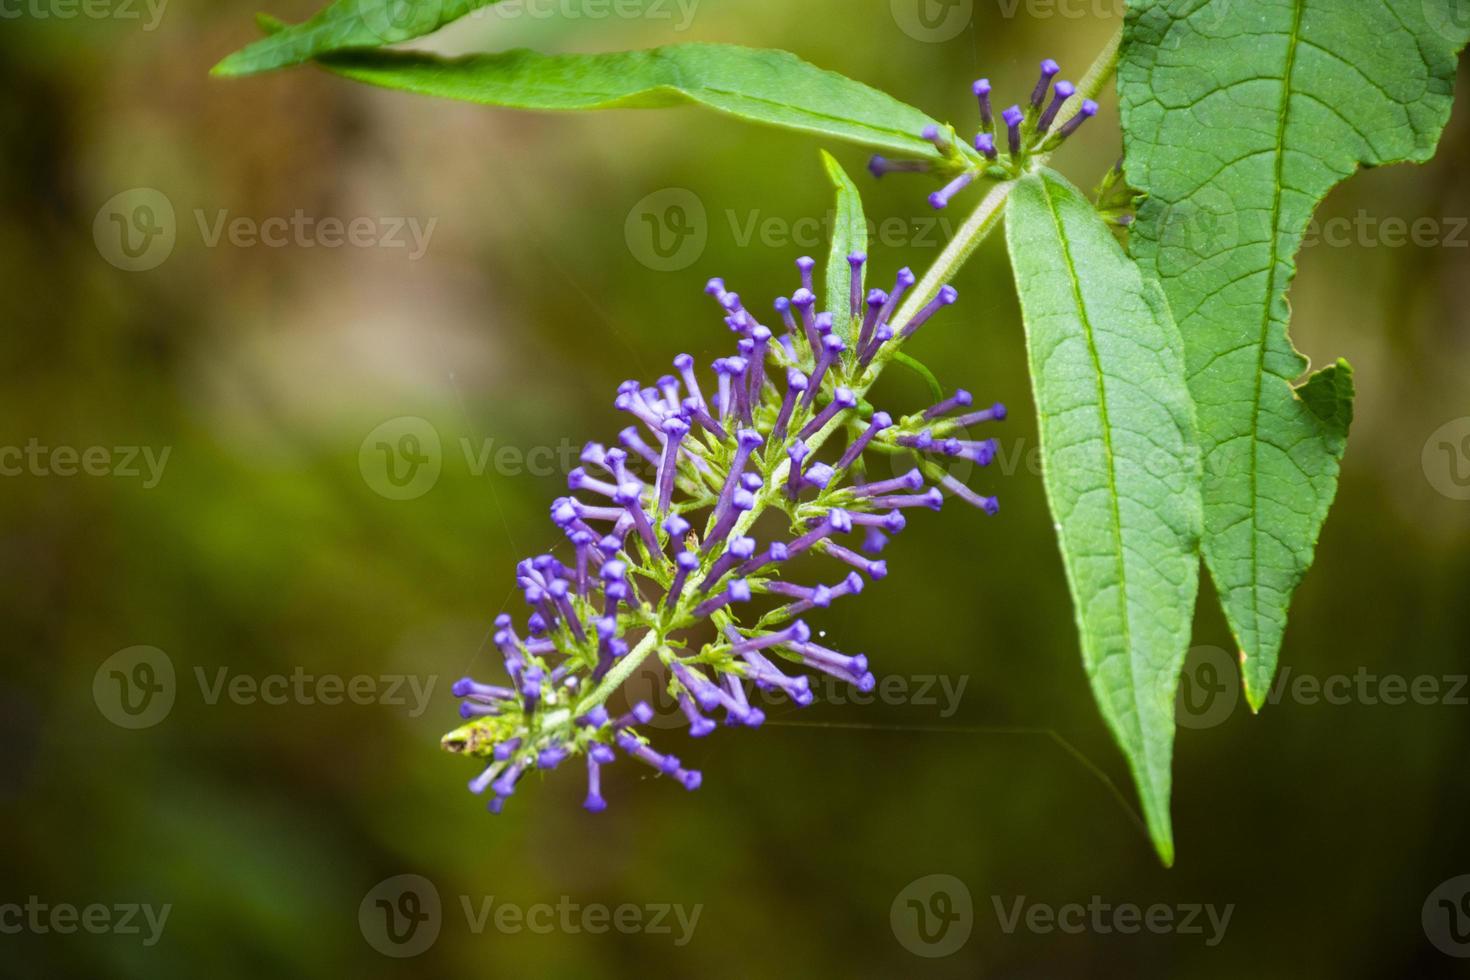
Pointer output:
x,y
1274,253
1112,477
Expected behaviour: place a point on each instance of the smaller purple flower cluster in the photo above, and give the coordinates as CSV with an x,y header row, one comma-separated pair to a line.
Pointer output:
x,y
1022,131
663,558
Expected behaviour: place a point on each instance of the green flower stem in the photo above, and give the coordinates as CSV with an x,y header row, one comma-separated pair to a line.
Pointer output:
x,y
984,220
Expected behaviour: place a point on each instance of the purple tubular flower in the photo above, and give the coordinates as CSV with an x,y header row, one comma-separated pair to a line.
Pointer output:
x,y
594,802
883,335
947,296
639,714
874,569
777,552
932,499
982,92
995,413
674,430
842,400
660,541
630,438
687,562
630,496
1049,70
797,632
939,138
879,166
1064,91
1088,110
698,414
736,591
699,725
1013,118
466,688
551,757
988,504
739,550
877,299
912,480
783,307
631,745
832,348
906,279
684,364
805,302
879,422
852,669
796,453
767,676
796,385
940,199
960,399
761,342
746,441
985,143
741,501
837,521
805,265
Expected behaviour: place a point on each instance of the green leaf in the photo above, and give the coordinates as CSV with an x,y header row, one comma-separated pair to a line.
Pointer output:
x,y
1120,466
1238,119
344,25
774,88
849,237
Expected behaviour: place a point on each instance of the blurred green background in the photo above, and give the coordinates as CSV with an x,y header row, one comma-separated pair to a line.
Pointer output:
x,y
265,547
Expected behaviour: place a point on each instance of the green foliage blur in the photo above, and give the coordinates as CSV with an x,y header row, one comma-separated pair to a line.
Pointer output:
x,y
267,545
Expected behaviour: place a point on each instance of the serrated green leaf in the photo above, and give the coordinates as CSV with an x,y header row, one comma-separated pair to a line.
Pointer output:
x,y
1120,465
774,88
849,237
344,25
1239,118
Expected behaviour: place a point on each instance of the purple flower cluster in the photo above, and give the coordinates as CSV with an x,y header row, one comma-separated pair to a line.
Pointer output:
x,y
1021,130
662,552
